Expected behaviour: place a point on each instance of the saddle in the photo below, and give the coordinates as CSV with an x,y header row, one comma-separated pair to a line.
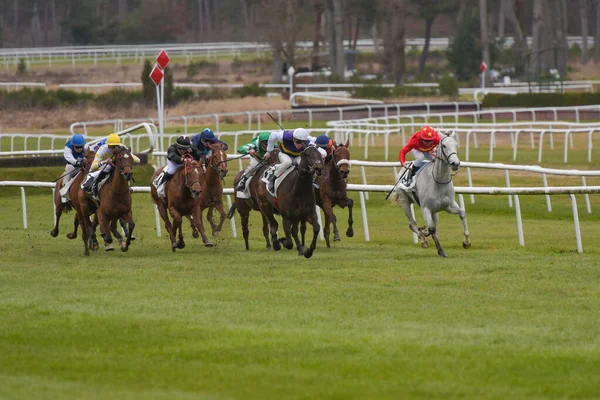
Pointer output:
x,y
270,171
88,183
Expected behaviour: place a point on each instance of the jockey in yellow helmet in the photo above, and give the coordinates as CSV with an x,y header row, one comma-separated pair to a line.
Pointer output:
x,y
104,159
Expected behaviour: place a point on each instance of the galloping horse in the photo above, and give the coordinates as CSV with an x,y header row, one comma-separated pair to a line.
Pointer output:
x,y
212,196
332,191
244,206
434,192
115,203
295,201
183,198
73,190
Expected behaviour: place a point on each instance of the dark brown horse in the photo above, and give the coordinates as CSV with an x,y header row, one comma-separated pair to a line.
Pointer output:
x,y
59,206
212,195
295,201
115,203
332,191
183,198
244,206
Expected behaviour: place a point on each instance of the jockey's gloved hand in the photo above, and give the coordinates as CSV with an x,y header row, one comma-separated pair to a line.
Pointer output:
x,y
78,163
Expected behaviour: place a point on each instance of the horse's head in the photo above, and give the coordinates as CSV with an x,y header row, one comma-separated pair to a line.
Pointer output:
x,y
218,160
311,161
88,159
340,157
124,162
193,173
448,150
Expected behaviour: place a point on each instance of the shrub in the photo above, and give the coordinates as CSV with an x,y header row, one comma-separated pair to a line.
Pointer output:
x,y
22,67
251,90
448,86
148,86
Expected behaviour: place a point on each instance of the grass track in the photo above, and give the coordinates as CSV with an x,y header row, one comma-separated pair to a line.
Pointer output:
x,y
379,319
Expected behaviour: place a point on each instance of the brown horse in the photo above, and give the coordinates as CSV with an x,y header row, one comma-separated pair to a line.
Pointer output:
x,y
115,203
332,191
59,206
295,201
212,196
244,206
183,198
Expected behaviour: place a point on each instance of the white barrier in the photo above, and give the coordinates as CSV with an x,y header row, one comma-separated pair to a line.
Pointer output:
x,y
361,189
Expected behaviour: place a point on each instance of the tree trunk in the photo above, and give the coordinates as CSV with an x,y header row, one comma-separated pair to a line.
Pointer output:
x,y
534,61
501,19
376,48
122,10
207,19
597,37
16,17
563,39
425,53
336,42
584,31
356,31
200,33
277,65
485,42
314,65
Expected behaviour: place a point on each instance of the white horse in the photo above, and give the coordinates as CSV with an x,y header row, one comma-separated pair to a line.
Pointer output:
x,y
434,192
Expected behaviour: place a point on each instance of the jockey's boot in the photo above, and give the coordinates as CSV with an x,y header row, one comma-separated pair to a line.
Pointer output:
x,y
411,174
160,189
103,174
241,185
271,186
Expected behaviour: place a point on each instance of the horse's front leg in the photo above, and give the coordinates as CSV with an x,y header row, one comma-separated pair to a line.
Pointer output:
x,y
265,228
195,233
312,219
177,220
267,212
431,220
455,209
162,210
104,230
299,245
350,203
84,232
287,229
329,217
303,231
412,224
222,214
209,218
124,224
116,233
73,235
93,239
57,213
130,227
197,213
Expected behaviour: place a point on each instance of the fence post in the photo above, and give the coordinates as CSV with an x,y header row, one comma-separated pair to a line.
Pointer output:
x,y
363,209
24,205
576,223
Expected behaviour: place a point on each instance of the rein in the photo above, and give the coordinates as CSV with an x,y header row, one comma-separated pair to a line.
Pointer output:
x,y
447,156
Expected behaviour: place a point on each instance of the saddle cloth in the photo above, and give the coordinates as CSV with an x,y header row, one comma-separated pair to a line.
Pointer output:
x,y
270,171
93,175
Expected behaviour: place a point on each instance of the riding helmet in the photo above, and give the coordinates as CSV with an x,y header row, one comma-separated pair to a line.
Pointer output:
x,y
113,140
208,134
78,140
322,141
301,134
183,142
428,133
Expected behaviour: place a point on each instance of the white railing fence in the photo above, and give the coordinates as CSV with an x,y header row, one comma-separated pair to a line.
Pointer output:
x,y
362,189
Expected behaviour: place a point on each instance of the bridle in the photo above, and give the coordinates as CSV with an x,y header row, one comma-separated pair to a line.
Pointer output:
x,y
126,154
338,164
189,161
215,165
446,160
310,168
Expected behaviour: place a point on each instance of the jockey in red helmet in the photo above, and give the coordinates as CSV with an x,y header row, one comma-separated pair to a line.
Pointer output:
x,y
422,145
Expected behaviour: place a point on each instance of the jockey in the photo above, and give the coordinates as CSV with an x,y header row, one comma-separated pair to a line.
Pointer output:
x,y
422,145
202,140
323,142
291,144
75,149
104,159
175,155
96,146
257,149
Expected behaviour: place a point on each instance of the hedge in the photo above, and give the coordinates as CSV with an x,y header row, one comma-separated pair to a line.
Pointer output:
x,y
541,99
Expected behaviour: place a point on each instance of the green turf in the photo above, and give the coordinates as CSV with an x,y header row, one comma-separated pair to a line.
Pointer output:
x,y
378,319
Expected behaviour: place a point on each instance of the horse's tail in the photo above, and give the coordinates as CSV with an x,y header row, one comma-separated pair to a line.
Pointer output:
x,y
231,211
67,206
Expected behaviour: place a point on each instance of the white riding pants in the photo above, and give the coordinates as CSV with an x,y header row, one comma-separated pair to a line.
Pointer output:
x,y
420,157
284,163
172,167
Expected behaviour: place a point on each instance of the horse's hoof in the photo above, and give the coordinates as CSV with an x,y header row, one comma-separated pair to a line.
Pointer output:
x,y
268,247
87,253
124,249
131,239
425,245
442,254
71,236
95,247
54,233
276,245
308,253
181,245
467,245
350,233
208,244
109,247
195,234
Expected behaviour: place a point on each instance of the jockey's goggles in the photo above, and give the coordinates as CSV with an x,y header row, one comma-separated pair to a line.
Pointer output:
x,y
78,147
298,141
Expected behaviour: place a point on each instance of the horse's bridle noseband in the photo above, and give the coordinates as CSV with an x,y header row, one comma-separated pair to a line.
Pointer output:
x,y
187,183
446,160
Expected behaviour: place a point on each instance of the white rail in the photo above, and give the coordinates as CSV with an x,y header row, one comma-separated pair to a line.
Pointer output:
x,y
362,189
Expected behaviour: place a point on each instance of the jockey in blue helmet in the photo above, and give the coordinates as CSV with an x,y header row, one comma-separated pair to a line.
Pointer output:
x,y
74,154
201,142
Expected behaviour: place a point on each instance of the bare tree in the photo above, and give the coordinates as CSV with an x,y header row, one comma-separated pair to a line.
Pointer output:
x,y
597,37
485,41
583,12
501,18
334,12
392,14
